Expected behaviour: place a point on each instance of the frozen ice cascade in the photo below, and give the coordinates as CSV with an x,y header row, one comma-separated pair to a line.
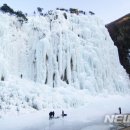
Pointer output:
x,y
57,56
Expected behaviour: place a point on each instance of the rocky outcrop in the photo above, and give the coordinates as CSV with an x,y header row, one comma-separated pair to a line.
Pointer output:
x,y
120,33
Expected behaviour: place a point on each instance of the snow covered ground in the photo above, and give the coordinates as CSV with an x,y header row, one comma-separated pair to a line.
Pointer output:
x,y
74,52
61,62
56,63
89,117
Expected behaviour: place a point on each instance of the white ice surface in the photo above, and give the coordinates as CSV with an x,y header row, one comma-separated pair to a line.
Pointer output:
x,y
89,117
76,56
55,51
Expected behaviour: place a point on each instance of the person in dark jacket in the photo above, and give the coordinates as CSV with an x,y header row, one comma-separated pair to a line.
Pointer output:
x,y
63,114
119,110
21,76
51,115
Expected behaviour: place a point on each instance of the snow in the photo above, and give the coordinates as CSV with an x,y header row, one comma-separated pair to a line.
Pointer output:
x,y
63,62
90,117
77,50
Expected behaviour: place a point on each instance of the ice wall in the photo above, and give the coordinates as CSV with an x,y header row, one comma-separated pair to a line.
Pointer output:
x,y
76,51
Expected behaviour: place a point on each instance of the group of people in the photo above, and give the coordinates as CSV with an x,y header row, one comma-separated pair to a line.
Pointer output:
x,y
52,114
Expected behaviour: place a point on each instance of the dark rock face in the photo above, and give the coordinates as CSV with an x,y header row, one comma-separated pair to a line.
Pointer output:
x,y
120,33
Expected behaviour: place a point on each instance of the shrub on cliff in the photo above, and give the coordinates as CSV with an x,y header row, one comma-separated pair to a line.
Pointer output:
x,y
6,9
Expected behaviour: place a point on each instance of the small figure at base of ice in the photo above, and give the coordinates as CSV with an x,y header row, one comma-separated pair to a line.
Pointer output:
x,y
63,114
51,115
119,110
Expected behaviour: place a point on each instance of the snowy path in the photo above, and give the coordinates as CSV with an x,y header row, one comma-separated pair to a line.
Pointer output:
x,y
65,125
45,124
